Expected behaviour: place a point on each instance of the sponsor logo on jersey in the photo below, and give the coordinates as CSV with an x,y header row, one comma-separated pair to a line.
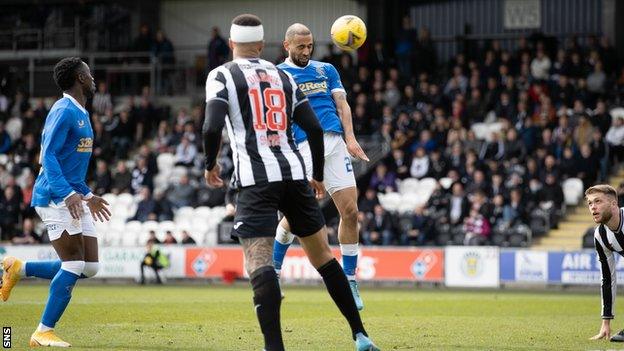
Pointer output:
x,y
313,87
85,145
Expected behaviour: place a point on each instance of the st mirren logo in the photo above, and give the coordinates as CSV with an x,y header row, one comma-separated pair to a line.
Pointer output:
x,y
472,264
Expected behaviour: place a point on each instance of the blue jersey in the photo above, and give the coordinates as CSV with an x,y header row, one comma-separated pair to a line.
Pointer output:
x,y
66,145
317,81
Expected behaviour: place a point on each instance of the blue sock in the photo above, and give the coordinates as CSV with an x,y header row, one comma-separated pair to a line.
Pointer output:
x,y
42,269
60,294
349,264
279,252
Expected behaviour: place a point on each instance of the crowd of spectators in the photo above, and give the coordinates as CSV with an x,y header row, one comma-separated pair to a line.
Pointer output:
x,y
551,109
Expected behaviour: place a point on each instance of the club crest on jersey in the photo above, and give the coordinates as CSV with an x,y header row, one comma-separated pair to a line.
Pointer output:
x,y
81,123
320,71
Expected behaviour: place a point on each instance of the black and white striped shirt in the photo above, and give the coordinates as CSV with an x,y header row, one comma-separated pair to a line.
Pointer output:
x,y
261,100
607,242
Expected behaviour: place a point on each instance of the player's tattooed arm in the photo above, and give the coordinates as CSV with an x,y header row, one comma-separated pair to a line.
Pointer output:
x,y
258,253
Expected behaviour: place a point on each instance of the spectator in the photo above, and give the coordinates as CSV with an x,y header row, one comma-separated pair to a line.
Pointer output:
x,y
185,153
164,208
102,99
514,211
583,133
218,50
551,194
169,239
103,178
588,166
145,207
615,140
182,194
368,202
152,238
458,204
122,179
187,239
476,228
5,140
141,176
420,164
27,235
382,180
9,213
379,230
419,230
597,80
144,42
398,164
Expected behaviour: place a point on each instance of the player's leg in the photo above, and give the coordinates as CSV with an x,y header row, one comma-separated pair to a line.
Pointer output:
x,y
71,251
92,261
305,217
256,211
283,235
340,183
318,251
283,239
267,300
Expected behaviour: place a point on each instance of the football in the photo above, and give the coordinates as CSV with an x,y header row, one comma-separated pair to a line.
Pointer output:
x,y
348,32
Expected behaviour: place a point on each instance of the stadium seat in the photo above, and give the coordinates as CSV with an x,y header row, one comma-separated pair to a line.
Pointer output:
x,y
408,185
110,198
129,238
184,213
202,212
572,191
134,226
165,226
165,162
125,199
446,182
149,225
390,201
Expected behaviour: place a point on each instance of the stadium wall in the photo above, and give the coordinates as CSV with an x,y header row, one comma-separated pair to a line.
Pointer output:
x,y
188,23
452,266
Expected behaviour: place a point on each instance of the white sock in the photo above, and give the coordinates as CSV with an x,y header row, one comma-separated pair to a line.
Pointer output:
x,y
42,328
349,250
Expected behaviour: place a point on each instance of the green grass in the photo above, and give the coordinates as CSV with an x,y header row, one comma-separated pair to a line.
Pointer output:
x,y
122,317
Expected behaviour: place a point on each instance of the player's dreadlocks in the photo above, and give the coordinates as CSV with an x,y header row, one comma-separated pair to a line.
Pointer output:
x,y
65,72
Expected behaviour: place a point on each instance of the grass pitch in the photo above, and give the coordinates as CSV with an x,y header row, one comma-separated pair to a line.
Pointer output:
x,y
124,317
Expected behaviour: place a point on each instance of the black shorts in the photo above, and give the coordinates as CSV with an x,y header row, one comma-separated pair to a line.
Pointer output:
x,y
257,206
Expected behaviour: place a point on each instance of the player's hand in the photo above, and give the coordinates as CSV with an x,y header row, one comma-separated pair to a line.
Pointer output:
x,y
319,189
605,331
97,206
74,205
355,149
213,178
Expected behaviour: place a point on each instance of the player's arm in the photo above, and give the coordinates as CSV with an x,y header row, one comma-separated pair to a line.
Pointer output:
x,y
216,110
608,288
56,135
344,112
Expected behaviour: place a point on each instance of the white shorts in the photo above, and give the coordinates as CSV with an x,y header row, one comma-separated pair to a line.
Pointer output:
x,y
57,219
338,171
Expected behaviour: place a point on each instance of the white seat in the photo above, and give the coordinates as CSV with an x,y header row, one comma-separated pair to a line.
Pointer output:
x,y
408,185
125,199
134,226
202,211
165,226
110,198
218,212
390,201
446,182
149,225
121,212
184,213
165,162
572,191
129,238
428,183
